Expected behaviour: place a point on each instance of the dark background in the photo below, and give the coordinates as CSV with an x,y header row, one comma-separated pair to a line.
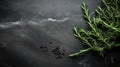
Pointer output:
x,y
31,29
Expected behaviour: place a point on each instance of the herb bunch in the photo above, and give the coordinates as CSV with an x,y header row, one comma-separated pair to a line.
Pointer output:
x,y
103,29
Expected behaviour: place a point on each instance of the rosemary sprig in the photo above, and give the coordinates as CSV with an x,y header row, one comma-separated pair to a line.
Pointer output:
x,y
104,28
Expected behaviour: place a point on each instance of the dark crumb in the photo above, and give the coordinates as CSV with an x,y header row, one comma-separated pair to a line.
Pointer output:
x,y
56,48
53,50
41,46
63,53
45,47
58,53
58,57
50,42
63,49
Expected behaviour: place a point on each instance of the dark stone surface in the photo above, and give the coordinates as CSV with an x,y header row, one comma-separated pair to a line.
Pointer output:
x,y
38,33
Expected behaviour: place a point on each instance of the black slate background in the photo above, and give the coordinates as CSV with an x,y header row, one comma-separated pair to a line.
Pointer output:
x,y
31,29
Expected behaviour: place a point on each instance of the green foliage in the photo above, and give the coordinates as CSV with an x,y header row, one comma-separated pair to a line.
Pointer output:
x,y
103,30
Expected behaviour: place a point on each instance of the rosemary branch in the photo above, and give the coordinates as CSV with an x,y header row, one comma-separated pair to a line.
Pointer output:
x,y
104,28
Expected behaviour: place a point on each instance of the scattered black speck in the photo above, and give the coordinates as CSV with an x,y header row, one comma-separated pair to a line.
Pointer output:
x,y
45,47
58,57
63,49
63,53
58,53
50,42
41,46
53,51
56,48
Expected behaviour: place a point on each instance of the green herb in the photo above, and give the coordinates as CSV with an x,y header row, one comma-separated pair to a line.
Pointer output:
x,y
103,29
